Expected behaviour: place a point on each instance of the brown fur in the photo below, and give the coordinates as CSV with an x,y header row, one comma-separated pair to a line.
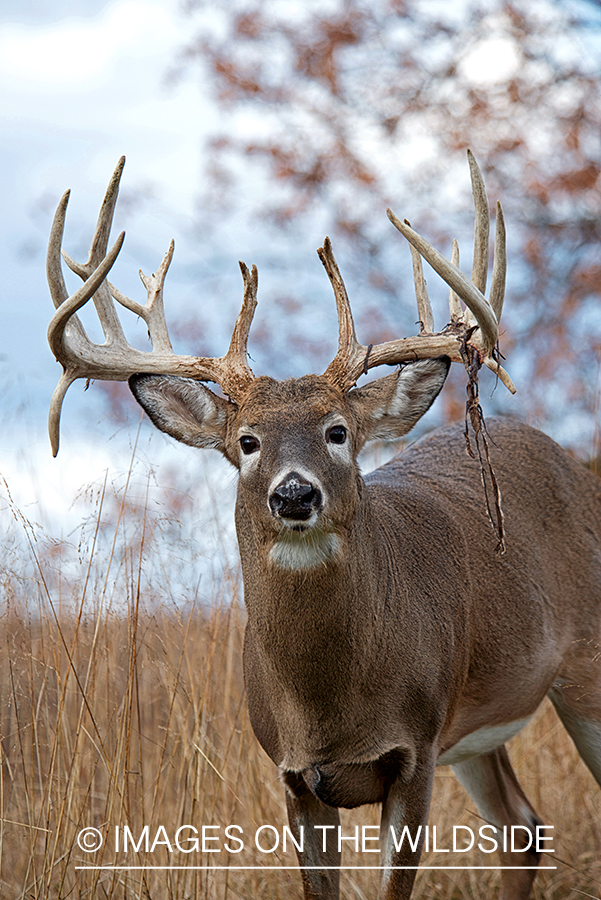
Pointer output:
x,y
363,670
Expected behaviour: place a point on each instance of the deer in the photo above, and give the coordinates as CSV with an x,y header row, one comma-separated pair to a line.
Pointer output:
x,y
389,629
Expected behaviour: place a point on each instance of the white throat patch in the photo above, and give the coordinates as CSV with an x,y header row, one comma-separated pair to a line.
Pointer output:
x,y
301,550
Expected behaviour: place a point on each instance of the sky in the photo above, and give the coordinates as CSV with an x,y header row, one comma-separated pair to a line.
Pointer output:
x,y
81,84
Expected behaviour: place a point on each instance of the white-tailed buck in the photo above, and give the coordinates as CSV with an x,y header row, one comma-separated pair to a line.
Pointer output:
x,y
387,634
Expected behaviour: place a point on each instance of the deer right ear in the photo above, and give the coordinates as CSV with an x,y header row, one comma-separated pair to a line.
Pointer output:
x,y
184,409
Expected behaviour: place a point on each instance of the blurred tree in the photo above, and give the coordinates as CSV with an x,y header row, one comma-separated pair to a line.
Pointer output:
x,y
339,108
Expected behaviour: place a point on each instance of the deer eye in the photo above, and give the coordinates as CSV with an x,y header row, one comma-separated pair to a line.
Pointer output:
x,y
249,444
336,435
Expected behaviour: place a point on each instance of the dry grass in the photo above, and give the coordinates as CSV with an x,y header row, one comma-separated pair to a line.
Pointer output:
x,y
117,709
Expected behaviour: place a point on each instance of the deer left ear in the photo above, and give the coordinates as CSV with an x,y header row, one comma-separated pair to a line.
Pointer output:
x,y
185,409
391,406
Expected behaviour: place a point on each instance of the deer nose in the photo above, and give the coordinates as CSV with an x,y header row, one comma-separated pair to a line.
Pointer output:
x,y
294,498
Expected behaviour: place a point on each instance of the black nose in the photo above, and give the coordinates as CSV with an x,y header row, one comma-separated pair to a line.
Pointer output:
x,y
294,498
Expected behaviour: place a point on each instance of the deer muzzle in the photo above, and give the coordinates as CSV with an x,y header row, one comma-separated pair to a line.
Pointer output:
x,y
295,498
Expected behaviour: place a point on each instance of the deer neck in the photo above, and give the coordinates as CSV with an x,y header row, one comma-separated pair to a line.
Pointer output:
x,y
317,642
305,611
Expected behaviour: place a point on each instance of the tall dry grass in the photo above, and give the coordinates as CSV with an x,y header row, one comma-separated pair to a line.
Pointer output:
x,y
120,708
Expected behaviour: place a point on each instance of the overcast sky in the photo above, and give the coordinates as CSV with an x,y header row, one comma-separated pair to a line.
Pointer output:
x,y
80,84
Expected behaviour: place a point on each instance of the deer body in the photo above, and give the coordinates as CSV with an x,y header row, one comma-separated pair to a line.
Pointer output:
x,y
421,646
386,635
420,621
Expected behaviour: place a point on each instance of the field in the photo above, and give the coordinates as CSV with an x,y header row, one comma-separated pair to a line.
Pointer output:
x,y
122,709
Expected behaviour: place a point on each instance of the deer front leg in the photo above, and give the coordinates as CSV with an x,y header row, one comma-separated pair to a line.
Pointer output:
x,y
406,807
306,814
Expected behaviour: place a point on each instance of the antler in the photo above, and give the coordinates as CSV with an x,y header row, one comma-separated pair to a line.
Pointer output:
x,y
478,325
116,359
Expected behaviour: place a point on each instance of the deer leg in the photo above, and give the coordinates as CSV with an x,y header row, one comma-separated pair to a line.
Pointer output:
x,y
402,831
577,700
305,812
492,784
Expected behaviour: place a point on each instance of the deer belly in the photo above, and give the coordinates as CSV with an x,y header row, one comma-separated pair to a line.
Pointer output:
x,y
483,740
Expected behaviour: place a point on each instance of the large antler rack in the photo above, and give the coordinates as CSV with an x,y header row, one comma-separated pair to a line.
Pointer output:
x,y
477,325
116,359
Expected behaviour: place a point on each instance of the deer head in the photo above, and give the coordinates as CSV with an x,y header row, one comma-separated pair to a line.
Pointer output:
x,y
294,443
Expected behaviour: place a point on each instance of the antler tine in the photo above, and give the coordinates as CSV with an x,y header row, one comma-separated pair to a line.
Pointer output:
x,y
424,308
54,270
239,340
157,326
105,309
56,405
454,305
237,375
348,363
481,225
499,267
103,227
152,312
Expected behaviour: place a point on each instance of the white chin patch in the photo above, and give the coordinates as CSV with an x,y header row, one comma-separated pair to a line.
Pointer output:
x,y
307,549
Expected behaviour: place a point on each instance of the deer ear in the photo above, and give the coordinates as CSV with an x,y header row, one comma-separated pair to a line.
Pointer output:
x,y
184,409
391,406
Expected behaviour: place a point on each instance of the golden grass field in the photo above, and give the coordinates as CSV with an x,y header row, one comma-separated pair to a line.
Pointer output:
x,y
118,708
